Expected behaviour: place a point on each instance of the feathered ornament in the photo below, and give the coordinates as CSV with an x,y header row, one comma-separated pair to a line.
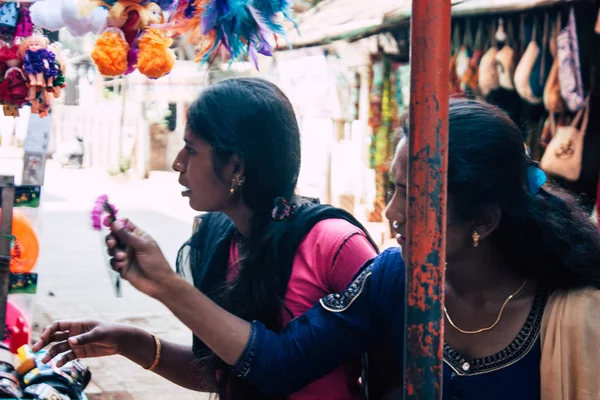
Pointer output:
x,y
243,27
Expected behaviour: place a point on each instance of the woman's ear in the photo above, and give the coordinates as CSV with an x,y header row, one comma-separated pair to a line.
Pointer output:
x,y
234,169
487,222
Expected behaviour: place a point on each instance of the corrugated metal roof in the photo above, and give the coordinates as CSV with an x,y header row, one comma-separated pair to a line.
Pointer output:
x,y
333,20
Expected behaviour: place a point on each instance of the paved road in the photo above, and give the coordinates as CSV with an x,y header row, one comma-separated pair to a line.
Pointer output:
x,y
73,277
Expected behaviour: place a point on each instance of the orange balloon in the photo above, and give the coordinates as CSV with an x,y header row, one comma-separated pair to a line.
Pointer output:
x,y
26,247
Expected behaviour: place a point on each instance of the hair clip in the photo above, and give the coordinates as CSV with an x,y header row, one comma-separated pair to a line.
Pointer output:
x,y
281,209
536,178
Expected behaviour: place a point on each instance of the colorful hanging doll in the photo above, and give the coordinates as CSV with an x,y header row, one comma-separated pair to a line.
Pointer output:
x,y
60,65
129,33
155,58
38,63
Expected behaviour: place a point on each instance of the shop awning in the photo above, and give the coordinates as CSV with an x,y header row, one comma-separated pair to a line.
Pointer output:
x,y
333,20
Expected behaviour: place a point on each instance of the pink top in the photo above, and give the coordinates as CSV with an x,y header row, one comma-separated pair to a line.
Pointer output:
x,y
326,261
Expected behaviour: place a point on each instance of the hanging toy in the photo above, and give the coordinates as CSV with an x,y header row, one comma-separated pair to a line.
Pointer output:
x,y
60,65
13,88
243,27
24,26
155,58
38,63
113,53
110,53
131,42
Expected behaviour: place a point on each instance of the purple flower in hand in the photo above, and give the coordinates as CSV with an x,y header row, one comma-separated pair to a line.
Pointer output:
x,y
103,213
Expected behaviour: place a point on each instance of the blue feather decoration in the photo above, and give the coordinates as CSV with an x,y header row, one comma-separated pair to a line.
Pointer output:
x,y
244,27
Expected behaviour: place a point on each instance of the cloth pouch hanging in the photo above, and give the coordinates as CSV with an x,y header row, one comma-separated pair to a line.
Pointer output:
x,y
524,68
9,15
553,100
541,69
564,154
488,71
505,62
454,82
569,66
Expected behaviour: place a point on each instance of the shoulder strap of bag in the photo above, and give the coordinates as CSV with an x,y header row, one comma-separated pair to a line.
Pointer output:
x,y
545,43
456,38
522,44
583,113
479,36
468,38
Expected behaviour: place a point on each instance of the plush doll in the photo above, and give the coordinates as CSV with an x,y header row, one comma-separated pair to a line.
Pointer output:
x,y
38,63
132,42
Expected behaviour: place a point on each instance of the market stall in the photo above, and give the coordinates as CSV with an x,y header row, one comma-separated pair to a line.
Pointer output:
x,y
536,59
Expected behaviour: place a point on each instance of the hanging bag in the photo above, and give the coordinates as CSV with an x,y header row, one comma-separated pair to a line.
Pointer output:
x,y
553,100
488,71
9,15
565,152
543,64
454,82
470,80
505,62
526,65
464,53
569,67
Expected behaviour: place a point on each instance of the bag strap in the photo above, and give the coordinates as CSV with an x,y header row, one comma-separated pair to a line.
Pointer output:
x,y
479,36
500,35
534,30
545,39
522,42
583,113
510,34
491,39
456,39
468,38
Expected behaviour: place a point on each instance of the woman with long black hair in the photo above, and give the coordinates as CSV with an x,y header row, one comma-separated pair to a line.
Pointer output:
x,y
259,251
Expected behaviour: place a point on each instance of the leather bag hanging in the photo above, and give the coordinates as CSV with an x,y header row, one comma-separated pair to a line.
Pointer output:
x,y
553,100
564,154
525,67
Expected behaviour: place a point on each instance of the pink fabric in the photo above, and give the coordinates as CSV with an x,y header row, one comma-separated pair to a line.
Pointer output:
x,y
327,260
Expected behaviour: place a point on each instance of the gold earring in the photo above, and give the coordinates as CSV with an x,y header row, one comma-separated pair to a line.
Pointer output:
x,y
476,238
236,183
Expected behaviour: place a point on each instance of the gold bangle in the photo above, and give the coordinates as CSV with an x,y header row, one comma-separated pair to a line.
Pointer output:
x,y
157,355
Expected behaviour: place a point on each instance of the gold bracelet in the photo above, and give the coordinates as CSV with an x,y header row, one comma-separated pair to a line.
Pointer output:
x,y
157,356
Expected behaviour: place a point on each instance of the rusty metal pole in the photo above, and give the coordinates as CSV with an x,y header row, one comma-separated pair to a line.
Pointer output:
x,y
426,225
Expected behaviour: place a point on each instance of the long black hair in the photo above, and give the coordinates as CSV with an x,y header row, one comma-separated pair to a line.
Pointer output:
x,y
253,119
545,234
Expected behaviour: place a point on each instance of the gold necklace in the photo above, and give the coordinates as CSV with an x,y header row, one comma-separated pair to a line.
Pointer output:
x,y
497,319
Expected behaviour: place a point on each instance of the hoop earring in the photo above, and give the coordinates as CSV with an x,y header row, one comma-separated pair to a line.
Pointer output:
x,y
476,238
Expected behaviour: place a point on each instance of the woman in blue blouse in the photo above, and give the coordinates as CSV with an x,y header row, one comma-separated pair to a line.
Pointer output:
x,y
513,247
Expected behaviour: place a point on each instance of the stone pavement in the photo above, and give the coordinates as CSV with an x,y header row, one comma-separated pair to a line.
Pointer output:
x,y
73,277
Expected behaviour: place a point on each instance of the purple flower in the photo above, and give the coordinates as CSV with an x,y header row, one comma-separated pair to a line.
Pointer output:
x,y
103,213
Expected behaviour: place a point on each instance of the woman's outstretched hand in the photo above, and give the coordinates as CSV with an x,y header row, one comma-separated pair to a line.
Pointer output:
x,y
137,257
82,339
